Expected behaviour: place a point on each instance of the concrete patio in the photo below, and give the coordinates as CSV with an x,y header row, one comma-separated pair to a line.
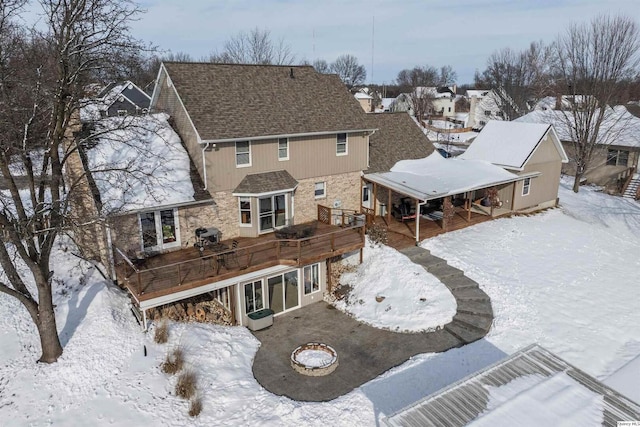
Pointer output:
x,y
364,352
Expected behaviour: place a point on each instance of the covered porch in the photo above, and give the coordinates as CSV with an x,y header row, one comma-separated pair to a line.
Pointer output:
x,y
422,198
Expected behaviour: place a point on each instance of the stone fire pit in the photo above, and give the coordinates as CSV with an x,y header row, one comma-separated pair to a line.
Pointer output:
x,y
314,359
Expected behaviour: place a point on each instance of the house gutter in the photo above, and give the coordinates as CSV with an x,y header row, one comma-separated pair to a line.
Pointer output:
x,y
285,135
171,206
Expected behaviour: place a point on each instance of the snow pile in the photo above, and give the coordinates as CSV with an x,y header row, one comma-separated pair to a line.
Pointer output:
x,y
411,299
314,358
536,400
139,162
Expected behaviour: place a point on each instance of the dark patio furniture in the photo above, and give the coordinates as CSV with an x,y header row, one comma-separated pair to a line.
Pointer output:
x,y
404,211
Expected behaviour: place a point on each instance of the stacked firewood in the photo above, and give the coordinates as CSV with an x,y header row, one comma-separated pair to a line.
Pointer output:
x,y
203,311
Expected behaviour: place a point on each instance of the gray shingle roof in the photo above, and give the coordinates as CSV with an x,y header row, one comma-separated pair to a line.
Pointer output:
x,y
231,101
398,138
267,182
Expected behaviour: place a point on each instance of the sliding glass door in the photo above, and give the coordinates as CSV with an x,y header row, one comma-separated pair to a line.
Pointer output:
x,y
283,292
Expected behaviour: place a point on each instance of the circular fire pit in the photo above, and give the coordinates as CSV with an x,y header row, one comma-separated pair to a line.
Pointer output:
x,y
314,359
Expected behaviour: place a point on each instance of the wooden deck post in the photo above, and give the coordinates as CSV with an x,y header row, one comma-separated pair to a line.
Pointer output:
x,y
329,279
417,222
375,198
513,197
389,206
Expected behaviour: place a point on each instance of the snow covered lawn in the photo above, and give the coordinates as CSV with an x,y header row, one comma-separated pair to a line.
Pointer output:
x,y
565,279
408,297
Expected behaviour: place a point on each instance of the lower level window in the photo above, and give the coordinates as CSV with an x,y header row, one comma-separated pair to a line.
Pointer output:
x,y
159,229
311,274
320,190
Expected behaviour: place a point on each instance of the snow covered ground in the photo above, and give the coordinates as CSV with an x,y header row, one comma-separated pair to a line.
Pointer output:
x,y
564,279
411,299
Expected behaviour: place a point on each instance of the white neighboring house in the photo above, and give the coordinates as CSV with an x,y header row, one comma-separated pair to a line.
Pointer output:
x,y
443,100
484,105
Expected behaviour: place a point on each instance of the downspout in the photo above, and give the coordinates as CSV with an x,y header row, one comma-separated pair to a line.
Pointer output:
x,y
204,165
369,136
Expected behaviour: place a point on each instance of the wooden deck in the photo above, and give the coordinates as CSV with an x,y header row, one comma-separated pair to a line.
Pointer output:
x,y
402,234
187,268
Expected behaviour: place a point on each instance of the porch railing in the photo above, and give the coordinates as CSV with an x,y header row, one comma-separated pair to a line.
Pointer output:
x,y
227,264
625,177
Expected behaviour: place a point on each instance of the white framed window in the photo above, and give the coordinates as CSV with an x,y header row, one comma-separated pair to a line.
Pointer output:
x,y
320,191
159,229
311,278
283,149
526,186
253,296
341,144
245,211
243,153
122,113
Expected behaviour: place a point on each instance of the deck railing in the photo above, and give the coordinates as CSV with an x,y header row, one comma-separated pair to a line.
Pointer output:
x,y
337,216
232,262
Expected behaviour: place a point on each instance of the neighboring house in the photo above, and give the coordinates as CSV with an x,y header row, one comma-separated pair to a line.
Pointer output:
x,y
526,149
618,147
563,102
532,386
365,100
291,156
120,99
509,167
442,100
484,105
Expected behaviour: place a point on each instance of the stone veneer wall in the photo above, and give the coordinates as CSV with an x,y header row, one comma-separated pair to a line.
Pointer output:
x,y
345,187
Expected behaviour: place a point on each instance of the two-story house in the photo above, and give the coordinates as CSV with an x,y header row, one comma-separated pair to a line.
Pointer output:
x,y
276,147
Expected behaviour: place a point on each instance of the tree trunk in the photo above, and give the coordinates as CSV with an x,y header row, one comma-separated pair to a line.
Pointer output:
x,y
49,340
576,182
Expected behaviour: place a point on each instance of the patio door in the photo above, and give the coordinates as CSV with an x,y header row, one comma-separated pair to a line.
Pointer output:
x,y
283,292
253,296
273,212
367,194
159,229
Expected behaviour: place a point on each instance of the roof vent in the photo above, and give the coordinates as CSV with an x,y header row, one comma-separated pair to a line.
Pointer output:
x,y
291,73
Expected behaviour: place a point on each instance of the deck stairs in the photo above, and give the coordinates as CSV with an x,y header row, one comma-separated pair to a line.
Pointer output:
x,y
632,189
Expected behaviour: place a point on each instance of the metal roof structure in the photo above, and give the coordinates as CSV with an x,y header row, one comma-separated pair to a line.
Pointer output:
x,y
531,375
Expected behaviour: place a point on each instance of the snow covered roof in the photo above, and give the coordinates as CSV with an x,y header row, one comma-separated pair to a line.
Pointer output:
x,y
138,162
386,102
360,95
532,387
510,144
434,176
478,93
626,379
619,126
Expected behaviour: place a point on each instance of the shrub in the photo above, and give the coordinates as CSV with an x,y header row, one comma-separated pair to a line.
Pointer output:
x,y
377,233
174,362
161,335
186,385
195,407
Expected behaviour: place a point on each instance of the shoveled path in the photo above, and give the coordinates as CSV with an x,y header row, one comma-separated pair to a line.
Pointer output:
x,y
364,352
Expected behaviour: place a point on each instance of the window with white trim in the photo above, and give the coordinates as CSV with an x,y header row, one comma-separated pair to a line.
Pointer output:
x,y
243,153
283,149
320,191
245,211
159,229
526,186
341,144
617,157
253,296
311,278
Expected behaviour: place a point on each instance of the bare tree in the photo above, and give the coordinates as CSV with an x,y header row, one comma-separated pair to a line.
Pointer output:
x,y
595,61
519,78
254,47
421,99
447,76
321,66
43,83
349,70
409,79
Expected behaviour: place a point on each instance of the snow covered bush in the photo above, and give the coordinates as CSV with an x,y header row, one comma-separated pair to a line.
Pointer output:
x,y
186,385
174,362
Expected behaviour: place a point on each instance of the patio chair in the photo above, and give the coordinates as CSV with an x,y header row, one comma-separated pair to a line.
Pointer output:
x,y
230,258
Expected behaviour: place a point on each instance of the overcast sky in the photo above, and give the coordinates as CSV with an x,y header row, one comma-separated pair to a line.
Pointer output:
x,y
460,33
